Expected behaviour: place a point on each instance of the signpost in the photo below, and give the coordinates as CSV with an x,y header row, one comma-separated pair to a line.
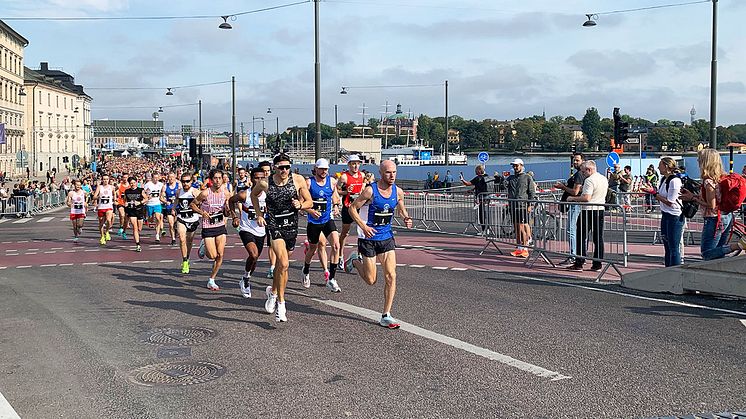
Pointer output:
x,y
21,159
612,159
483,157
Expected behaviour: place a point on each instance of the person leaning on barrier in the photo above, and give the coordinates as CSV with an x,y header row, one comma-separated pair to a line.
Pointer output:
x,y
625,185
591,217
572,188
480,187
521,187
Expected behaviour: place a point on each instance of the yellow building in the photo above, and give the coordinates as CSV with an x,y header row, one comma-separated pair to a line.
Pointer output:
x,y
12,45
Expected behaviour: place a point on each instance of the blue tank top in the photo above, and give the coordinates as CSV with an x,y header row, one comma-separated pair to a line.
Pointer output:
x,y
322,201
380,213
171,195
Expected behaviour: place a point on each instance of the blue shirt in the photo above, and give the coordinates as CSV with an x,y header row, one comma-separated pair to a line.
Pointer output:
x,y
322,201
380,213
171,195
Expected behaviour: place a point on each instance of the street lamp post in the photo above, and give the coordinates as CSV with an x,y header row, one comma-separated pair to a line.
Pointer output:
x,y
317,69
336,136
233,125
714,78
253,130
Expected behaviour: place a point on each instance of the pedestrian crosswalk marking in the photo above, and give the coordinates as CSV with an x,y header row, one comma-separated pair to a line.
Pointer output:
x,y
45,219
21,221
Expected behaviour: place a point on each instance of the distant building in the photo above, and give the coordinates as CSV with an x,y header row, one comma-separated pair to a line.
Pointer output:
x,y
12,111
454,136
58,119
369,148
399,124
119,133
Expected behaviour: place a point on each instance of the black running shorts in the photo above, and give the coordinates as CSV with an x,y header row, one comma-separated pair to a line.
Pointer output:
x,y
213,232
247,238
518,212
346,217
288,236
371,248
191,227
313,231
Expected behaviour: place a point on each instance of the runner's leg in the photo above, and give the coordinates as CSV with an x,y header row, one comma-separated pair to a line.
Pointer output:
x,y
281,269
388,262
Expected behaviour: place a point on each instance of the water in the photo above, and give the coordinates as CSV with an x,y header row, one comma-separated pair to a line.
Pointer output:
x,y
505,159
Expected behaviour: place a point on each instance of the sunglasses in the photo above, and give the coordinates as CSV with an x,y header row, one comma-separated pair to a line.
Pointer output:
x,y
283,167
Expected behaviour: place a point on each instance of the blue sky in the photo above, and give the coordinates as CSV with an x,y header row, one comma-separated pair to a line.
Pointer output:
x,y
503,59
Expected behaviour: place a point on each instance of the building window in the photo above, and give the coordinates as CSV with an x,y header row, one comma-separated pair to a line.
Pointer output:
x,y
49,99
39,98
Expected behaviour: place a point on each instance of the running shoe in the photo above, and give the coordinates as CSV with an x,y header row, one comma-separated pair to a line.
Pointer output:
x,y
212,286
108,236
102,241
575,267
121,231
157,238
173,242
281,313
348,266
333,286
185,267
271,272
138,248
516,253
124,236
341,264
524,254
269,305
245,286
388,322
75,238
596,267
201,252
306,280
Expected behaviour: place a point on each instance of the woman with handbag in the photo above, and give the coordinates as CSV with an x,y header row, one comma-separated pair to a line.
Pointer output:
x,y
717,225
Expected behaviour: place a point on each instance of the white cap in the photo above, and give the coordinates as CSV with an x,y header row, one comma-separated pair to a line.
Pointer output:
x,y
353,157
517,161
322,164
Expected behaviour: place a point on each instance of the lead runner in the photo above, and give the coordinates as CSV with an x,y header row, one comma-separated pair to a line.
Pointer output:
x,y
375,238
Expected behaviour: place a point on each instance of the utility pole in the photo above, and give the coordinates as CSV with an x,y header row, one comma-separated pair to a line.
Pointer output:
x,y
243,148
317,70
233,124
336,136
714,78
200,135
446,143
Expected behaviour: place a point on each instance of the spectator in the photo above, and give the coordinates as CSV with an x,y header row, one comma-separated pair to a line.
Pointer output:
x,y
672,219
498,180
625,184
480,189
613,177
521,187
717,225
572,188
591,217
651,181
436,181
429,181
449,179
4,195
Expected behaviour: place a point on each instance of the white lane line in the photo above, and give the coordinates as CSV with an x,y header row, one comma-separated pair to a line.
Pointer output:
x,y
459,269
24,241
166,261
401,265
30,253
49,253
6,410
45,220
7,242
92,250
90,263
456,343
65,264
48,265
22,221
440,268
11,250
416,266
2,220
113,263
624,294
3,267
56,248
141,261
33,250
23,266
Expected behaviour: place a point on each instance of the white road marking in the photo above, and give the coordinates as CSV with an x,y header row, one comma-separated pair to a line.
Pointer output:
x,y
3,267
459,269
141,261
33,250
400,265
69,251
416,266
65,264
114,262
743,322
48,265
456,343
90,263
2,220
6,410
45,220
24,241
23,266
11,250
30,253
22,221
50,252
166,261
440,268
91,250
56,248
236,260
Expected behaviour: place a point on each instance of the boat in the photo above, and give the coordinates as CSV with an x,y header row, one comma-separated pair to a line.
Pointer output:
x,y
420,155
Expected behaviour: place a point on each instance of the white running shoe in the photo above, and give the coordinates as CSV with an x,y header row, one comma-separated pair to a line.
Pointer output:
x,y
201,251
306,280
281,313
245,286
212,286
269,305
333,286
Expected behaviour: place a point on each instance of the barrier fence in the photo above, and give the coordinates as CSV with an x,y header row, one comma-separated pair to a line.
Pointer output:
x,y
26,206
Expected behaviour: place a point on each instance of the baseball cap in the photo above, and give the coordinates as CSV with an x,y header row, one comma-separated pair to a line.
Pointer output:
x,y
353,157
517,161
322,164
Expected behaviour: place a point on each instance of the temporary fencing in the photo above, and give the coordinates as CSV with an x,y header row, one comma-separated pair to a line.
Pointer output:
x,y
26,206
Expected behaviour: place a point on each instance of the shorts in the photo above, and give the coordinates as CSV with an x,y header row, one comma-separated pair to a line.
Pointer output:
x,y
168,210
346,217
372,248
102,212
134,213
191,226
518,212
153,209
313,231
213,232
288,236
77,216
247,237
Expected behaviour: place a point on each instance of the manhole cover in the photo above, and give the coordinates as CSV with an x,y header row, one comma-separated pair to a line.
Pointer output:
x,y
177,336
181,373
175,352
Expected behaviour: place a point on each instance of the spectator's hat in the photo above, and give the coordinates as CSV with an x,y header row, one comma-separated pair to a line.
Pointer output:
x,y
517,161
322,164
353,157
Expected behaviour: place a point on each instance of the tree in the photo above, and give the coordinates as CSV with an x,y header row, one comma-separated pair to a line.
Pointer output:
x,y
373,123
525,134
345,129
592,128
553,137
703,130
571,120
689,138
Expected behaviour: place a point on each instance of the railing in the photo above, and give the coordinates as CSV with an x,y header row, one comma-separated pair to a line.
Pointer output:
x,y
26,206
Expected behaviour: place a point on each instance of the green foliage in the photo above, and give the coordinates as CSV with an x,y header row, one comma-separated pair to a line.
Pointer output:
x,y
592,127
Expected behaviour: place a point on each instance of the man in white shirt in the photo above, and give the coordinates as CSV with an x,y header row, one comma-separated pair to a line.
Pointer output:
x,y
591,217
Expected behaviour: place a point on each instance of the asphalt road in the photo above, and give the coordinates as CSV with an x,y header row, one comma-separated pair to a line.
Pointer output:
x,y
473,344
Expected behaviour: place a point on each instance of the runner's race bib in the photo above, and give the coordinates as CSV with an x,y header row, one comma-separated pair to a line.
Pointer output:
x,y
104,200
382,218
320,205
286,220
78,205
216,217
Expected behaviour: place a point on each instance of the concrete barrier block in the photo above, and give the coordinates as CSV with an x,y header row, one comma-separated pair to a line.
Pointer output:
x,y
723,276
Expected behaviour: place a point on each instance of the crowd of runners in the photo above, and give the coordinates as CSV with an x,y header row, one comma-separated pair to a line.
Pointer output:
x,y
263,205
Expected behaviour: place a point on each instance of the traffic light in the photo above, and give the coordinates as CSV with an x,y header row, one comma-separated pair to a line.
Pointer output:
x,y
621,130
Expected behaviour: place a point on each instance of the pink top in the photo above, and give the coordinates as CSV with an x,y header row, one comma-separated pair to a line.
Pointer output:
x,y
213,205
710,184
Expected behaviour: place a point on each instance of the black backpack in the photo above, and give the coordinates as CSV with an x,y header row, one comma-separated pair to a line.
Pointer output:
x,y
688,208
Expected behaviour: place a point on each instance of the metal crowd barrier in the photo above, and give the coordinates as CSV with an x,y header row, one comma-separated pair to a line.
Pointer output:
x,y
26,206
550,235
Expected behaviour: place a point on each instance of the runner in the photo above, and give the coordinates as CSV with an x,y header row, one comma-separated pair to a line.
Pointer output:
x,y
153,190
349,187
123,185
251,233
211,205
104,199
267,167
76,200
243,179
168,198
375,238
286,194
323,190
134,197
187,220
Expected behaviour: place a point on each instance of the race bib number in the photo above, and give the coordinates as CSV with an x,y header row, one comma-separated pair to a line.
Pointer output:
x,y
382,218
320,205
155,194
286,220
78,205
353,196
104,200
216,217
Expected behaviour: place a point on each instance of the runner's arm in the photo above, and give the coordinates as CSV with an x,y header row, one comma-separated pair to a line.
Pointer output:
x,y
342,185
257,190
336,198
69,199
402,208
195,205
303,194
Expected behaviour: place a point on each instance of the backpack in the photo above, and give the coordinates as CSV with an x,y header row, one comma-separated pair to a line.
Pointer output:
x,y
732,192
611,197
688,208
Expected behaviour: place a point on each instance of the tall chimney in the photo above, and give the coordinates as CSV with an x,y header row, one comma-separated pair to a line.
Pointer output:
x,y
44,66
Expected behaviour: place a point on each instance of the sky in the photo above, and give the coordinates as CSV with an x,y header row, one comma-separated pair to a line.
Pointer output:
x,y
502,59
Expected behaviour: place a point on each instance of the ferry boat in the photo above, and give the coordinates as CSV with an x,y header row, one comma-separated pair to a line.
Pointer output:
x,y
420,155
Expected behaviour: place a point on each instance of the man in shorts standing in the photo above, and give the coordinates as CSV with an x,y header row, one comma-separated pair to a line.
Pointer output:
x,y
375,237
287,193
349,187
323,191
521,187
251,233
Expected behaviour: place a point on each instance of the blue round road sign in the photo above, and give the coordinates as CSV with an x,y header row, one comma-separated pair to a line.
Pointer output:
x,y
612,159
483,157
